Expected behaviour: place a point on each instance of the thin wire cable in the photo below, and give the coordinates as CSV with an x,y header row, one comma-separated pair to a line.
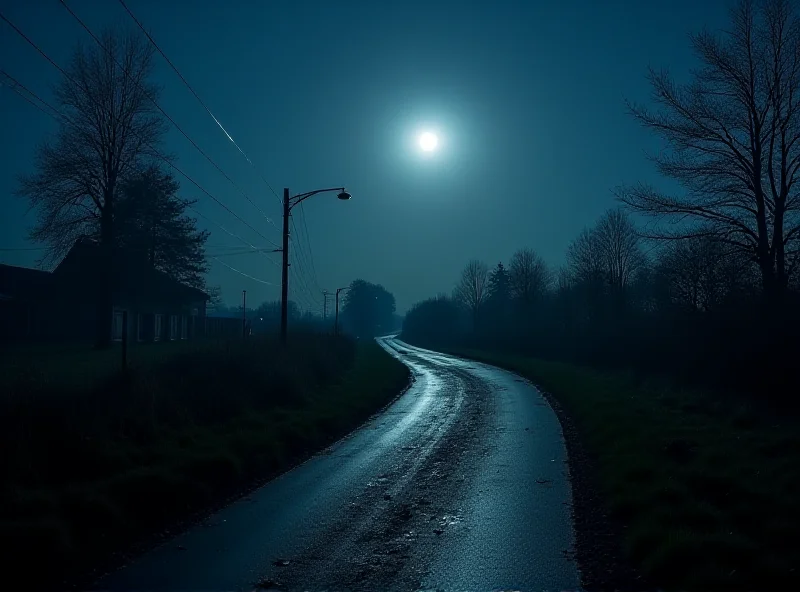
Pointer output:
x,y
58,115
175,69
255,279
236,251
310,251
300,273
204,190
16,86
303,292
298,246
233,234
36,47
165,114
303,258
158,154
301,297
214,257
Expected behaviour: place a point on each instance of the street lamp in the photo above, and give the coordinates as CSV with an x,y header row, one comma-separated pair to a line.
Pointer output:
x,y
288,204
336,323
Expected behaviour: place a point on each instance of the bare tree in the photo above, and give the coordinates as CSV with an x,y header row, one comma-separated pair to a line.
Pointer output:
x,y
528,277
734,135
700,274
585,275
617,243
584,263
109,127
472,289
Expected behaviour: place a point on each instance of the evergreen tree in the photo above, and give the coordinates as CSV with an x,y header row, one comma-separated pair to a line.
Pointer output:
x,y
499,293
151,222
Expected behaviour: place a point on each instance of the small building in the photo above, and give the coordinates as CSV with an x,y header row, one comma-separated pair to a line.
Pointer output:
x,y
23,292
62,305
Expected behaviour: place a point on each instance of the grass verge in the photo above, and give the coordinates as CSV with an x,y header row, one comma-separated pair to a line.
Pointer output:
x,y
703,488
90,472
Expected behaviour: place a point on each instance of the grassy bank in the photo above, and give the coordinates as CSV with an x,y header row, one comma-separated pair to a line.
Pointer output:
x,y
96,461
704,487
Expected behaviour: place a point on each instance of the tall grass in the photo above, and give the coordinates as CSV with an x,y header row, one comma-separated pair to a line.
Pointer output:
x,y
97,459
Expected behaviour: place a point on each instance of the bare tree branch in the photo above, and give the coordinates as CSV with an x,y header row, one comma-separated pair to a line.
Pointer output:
x,y
472,289
733,136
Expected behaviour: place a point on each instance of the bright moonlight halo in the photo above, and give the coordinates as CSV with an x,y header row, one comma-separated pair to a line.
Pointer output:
x,y
428,141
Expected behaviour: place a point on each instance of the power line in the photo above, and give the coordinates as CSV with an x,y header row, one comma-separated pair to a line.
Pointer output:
x,y
156,152
310,251
15,86
36,47
204,190
233,234
237,251
300,273
300,281
165,114
255,279
302,260
301,257
302,299
175,69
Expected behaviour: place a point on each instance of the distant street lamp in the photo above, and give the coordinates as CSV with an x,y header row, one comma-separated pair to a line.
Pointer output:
x,y
288,204
336,323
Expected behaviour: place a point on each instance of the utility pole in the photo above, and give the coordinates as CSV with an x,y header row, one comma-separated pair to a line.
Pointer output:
x,y
244,314
336,323
288,203
285,269
324,305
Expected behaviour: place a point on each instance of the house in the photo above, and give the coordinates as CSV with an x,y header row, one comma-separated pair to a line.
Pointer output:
x,y
62,305
23,291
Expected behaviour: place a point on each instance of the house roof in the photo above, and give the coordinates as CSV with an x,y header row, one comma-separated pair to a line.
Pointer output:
x,y
131,275
23,282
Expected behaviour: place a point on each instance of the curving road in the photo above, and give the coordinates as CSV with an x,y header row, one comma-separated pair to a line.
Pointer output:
x,y
460,484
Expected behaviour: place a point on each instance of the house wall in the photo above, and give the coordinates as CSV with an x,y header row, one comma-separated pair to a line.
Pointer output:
x,y
177,322
67,317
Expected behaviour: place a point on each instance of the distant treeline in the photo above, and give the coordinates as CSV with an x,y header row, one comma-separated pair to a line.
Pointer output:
x,y
714,297
688,308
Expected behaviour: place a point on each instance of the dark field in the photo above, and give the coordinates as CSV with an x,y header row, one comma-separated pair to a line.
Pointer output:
x,y
96,462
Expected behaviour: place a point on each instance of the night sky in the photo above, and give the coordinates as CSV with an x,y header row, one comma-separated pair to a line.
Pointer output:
x,y
528,99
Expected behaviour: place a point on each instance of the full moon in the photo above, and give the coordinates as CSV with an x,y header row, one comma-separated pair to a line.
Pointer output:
x,y
428,141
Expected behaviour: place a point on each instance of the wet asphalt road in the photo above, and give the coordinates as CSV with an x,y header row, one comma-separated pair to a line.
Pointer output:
x,y
461,484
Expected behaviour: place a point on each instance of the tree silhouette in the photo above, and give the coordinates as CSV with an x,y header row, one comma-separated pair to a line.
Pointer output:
x,y
529,278
499,291
617,244
151,221
368,309
109,128
435,321
734,138
472,289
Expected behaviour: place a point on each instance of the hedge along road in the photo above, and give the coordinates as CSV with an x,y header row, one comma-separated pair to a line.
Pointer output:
x,y
460,484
